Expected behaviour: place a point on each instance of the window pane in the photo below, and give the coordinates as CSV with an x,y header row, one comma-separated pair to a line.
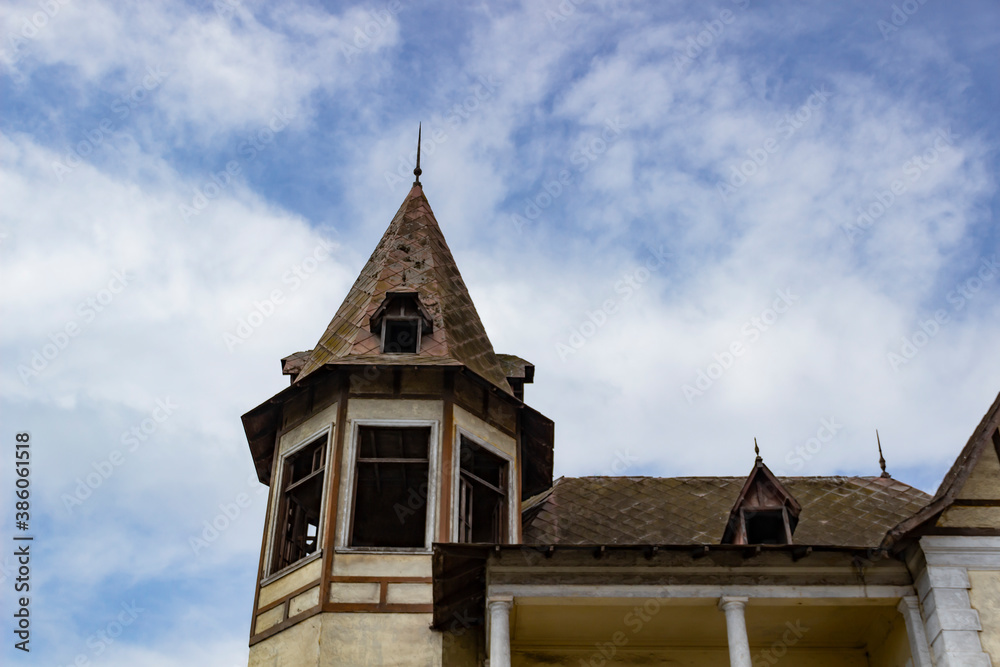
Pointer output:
x,y
297,530
400,336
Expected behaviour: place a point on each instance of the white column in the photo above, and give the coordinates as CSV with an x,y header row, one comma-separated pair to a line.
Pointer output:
x,y
909,607
736,628
499,608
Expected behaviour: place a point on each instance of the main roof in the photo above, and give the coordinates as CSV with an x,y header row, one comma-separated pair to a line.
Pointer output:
x,y
836,511
411,257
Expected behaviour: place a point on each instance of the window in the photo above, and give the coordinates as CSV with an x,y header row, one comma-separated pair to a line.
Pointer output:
x,y
299,505
401,335
482,495
391,487
400,322
766,527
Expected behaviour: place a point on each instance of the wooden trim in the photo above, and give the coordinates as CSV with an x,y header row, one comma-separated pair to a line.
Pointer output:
x,y
976,502
263,539
287,623
374,579
392,397
447,452
288,596
333,501
967,532
375,608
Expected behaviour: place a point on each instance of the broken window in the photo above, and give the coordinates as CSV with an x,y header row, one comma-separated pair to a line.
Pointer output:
x,y
400,321
766,526
482,495
390,487
300,504
401,335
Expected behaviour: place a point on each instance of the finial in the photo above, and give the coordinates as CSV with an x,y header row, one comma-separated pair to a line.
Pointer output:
x,y
881,459
756,450
417,171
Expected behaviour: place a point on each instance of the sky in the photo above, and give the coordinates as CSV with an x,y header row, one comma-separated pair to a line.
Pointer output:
x,y
703,222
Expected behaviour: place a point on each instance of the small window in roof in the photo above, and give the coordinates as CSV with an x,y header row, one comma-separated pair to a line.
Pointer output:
x,y
766,526
400,322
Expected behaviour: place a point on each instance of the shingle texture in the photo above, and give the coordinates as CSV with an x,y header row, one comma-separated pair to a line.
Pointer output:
x,y
411,257
836,511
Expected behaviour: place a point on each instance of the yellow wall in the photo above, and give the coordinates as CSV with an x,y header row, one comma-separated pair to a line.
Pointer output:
x,y
683,657
317,422
297,646
890,647
985,598
384,640
477,427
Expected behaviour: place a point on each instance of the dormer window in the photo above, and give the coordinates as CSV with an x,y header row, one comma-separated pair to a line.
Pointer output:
x,y
400,322
764,512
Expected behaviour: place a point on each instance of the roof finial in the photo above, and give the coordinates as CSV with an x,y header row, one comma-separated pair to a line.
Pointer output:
x,y
881,459
756,450
417,171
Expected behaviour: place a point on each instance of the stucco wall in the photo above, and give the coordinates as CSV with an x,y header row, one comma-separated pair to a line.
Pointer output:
x,y
985,598
380,640
297,646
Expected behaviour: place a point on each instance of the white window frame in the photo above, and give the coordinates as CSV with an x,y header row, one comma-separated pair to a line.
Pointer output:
x,y
400,318
347,488
456,464
278,491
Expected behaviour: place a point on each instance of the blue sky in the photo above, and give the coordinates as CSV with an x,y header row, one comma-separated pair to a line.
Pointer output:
x,y
703,222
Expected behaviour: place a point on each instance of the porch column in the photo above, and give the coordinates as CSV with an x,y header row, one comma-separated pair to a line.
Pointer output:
x,y
500,630
909,607
736,628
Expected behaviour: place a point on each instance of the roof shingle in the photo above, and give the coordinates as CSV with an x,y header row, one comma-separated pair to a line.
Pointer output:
x,y
836,511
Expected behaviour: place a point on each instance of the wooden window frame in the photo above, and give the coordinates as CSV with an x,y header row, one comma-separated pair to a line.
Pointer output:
x,y
348,495
278,504
510,526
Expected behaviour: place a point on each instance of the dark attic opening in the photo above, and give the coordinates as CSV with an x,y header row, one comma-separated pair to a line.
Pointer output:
x,y
400,322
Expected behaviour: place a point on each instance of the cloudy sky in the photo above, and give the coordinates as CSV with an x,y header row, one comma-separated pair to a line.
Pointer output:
x,y
703,222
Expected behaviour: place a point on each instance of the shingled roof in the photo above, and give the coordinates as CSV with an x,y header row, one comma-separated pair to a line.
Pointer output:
x,y
411,257
836,511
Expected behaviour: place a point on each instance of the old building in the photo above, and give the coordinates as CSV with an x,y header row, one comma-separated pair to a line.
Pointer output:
x,y
413,519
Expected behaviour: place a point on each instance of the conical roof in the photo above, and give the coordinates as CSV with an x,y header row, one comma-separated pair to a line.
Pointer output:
x,y
414,257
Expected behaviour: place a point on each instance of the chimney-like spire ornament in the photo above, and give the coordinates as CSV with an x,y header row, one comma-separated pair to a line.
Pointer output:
x,y
416,170
881,459
756,450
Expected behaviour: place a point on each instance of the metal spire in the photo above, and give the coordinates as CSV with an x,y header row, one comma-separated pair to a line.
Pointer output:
x,y
881,459
417,171
756,450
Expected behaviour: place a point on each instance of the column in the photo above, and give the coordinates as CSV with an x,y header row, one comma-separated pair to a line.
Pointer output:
x,y
736,629
499,612
909,607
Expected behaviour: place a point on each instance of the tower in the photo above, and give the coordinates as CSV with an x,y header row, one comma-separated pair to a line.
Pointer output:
x,y
402,428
